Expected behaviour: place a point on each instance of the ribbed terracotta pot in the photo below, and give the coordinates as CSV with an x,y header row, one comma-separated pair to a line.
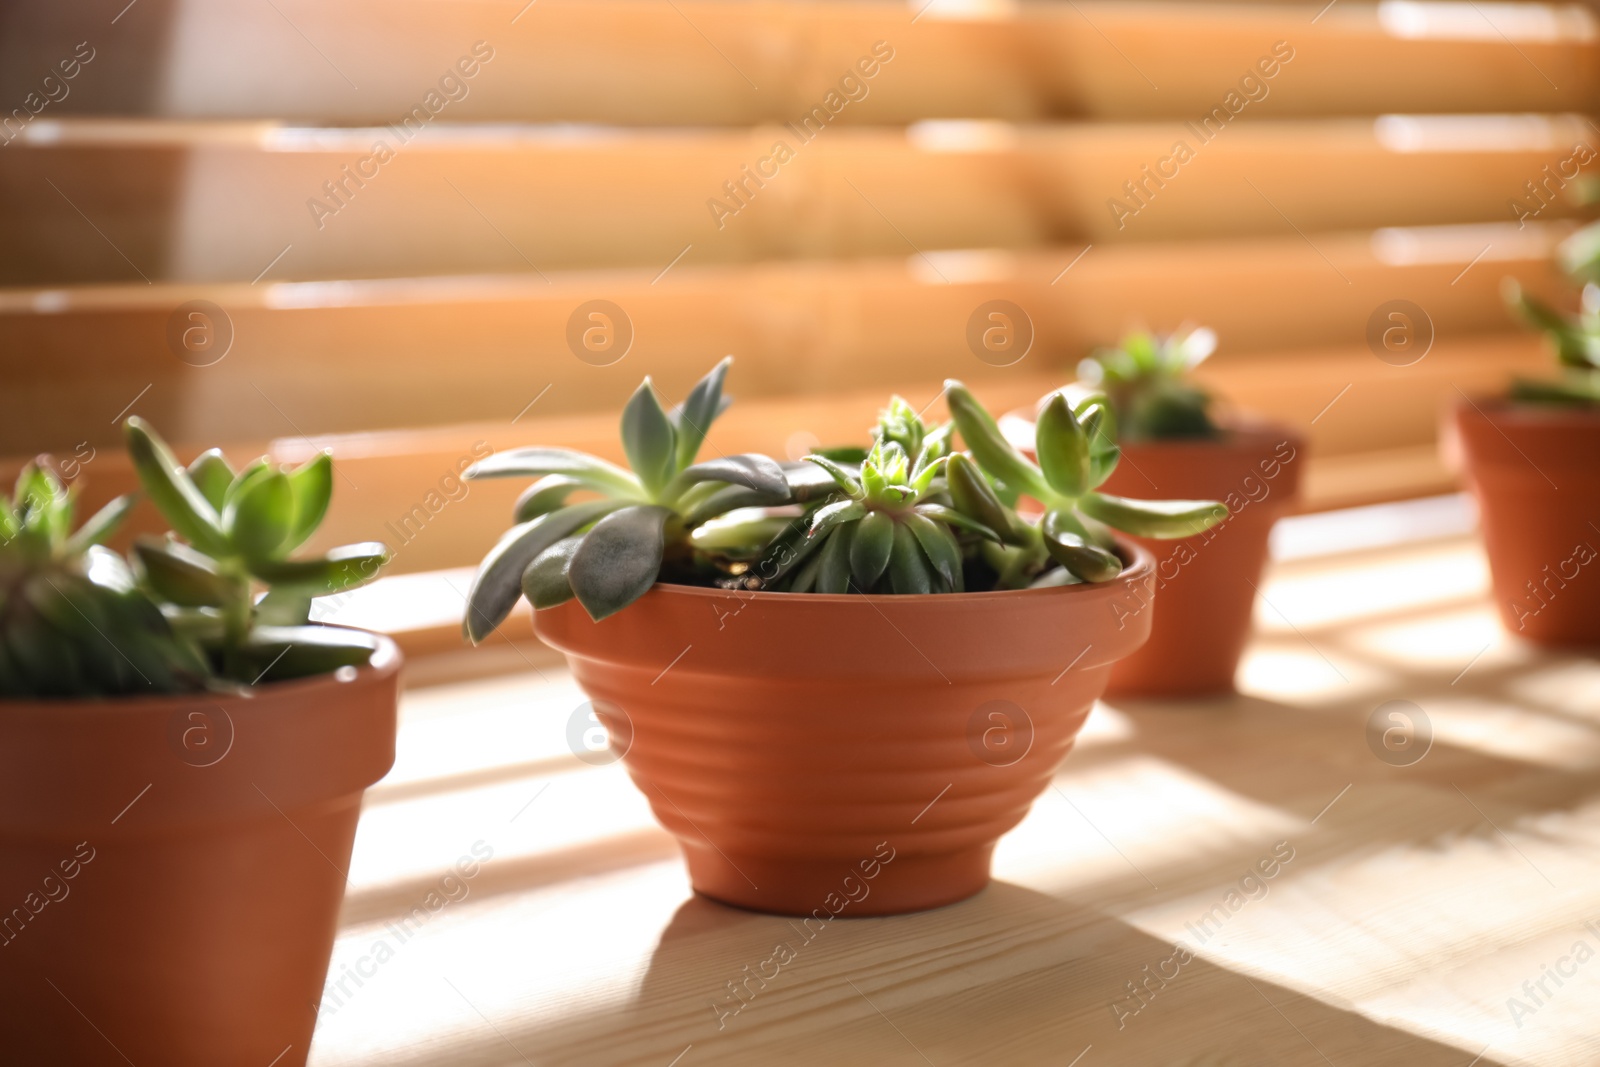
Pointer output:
x,y
1206,584
171,868
1535,471
848,755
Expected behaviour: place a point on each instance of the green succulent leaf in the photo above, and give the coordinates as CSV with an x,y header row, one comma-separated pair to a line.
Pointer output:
x,y
545,582
258,521
498,582
910,571
101,525
284,607
939,545
1098,419
179,575
739,535
833,514
1070,548
211,473
546,495
649,439
312,487
339,569
167,484
989,446
721,499
952,517
536,462
972,495
870,549
1063,448
619,559
278,653
842,477
748,469
700,409
833,576
1161,519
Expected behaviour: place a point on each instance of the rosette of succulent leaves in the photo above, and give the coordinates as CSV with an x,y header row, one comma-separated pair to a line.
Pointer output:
x,y
630,526
232,535
1071,538
73,622
1146,379
1575,338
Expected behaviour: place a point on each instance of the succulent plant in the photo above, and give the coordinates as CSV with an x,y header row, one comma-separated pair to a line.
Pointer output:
x,y
891,532
1576,340
1145,378
232,535
1077,452
639,523
72,621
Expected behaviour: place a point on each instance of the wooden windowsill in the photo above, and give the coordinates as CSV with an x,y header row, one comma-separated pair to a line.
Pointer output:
x,y
1417,901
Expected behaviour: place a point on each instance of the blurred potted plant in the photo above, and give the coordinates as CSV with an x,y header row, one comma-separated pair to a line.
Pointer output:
x,y
828,692
1174,443
181,764
1532,460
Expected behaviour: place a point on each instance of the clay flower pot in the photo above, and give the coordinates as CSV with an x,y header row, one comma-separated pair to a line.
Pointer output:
x,y
1205,585
1535,471
828,755
171,868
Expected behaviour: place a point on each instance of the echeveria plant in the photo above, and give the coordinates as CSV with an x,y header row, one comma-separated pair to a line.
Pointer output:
x,y
72,621
608,551
233,532
1077,452
1146,378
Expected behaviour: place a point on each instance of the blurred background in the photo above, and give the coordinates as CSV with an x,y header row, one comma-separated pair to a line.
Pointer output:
x,y
414,229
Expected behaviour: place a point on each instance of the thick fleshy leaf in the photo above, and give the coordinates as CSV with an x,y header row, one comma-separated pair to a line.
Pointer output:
x,y
102,524
167,484
699,410
545,495
723,499
870,549
835,513
211,473
312,483
179,575
939,545
748,469
842,477
339,569
498,583
909,569
951,517
258,521
988,445
1062,447
974,497
1054,578
808,482
1163,519
834,574
648,438
535,462
283,607
619,560
250,472
1070,548
739,535
545,582
277,653
1098,419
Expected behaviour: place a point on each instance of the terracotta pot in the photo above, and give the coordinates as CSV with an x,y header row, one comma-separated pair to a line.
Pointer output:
x,y
848,755
171,868
1205,585
1535,471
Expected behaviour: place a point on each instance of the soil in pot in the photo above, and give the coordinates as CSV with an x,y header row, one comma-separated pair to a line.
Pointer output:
x,y
1535,472
830,756
171,869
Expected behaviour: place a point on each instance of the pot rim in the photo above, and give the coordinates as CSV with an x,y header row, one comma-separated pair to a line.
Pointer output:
x,y
1501,406
386,660
1142,564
